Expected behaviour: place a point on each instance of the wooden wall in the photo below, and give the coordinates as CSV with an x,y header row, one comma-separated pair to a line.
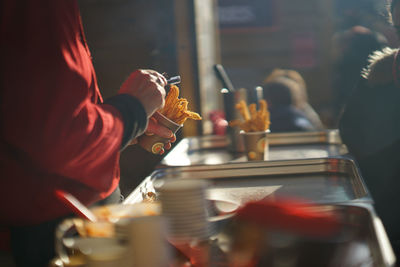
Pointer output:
x,y
124,35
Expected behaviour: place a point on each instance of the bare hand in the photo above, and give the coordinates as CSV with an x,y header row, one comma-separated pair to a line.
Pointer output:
x,y
154,128
148,87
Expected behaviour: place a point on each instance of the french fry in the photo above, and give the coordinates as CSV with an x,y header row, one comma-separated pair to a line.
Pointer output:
x,y
244,111
253,111
171,96
175,108
253,120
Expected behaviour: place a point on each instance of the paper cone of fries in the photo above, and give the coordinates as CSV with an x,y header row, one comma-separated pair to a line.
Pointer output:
x,y
154,143
173,115
254,129
256,145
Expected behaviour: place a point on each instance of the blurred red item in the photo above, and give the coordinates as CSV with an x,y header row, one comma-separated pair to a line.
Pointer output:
x,y
219,122
292,215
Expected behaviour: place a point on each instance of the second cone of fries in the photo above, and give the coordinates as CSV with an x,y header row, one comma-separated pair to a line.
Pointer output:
x,y
256,145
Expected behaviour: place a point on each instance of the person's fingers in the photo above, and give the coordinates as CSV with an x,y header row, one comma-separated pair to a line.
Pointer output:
x,y
168,146
155,128
158,82
148,87
161,80
133,142
159,77
155,77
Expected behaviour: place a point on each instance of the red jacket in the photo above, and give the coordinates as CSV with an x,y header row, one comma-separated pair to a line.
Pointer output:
x,y
54,132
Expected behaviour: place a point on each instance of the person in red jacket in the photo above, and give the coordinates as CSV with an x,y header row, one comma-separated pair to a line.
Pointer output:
x,y
56,131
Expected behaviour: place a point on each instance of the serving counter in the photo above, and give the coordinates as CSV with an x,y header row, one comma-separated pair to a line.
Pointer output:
x,y
213,150
310,154
314,167
325,181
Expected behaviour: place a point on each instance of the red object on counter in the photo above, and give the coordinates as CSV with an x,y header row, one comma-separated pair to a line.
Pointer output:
x,y
219,122
291,215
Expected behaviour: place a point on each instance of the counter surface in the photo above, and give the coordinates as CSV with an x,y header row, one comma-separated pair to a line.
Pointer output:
x,y
312,166
213,150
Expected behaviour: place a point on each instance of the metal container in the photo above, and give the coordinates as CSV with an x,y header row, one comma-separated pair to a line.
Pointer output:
x,y
213,150
328,180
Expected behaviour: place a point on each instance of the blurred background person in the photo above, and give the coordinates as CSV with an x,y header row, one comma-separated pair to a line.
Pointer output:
x,y
351,48
370,128
300,95
282,94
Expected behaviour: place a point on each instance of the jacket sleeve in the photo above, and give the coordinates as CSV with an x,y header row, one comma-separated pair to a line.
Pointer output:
x,y
49,93
133,114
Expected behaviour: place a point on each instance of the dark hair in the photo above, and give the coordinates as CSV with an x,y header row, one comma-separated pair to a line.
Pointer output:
x,y
281,92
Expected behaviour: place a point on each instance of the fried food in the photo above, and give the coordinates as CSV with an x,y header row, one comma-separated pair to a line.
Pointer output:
x,y
253,120
175,108
149,197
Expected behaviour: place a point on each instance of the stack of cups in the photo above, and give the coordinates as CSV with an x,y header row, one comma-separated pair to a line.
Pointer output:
x,y
186,209
146,241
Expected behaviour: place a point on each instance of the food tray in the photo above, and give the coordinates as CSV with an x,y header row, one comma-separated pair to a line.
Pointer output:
x,y
330,137
328,180
213,150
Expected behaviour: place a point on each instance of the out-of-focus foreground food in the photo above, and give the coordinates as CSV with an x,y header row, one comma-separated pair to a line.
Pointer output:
x,y
108,215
